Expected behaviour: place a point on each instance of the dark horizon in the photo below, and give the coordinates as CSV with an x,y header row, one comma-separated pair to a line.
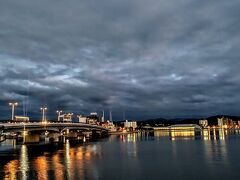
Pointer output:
x,y
150,59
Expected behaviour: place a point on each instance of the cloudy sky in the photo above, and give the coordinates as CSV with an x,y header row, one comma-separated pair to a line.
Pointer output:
x,y
147,58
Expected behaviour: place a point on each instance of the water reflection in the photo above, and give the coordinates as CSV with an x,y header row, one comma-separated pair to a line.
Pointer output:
x,y
129,137
58,167
129,146
24,166
216,151
128,152
41,167
215,134
11,169
19,167
161,133
182,134
70,163
205,134
68,158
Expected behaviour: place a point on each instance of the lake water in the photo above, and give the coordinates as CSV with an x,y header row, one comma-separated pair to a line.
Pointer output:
x,y
131,156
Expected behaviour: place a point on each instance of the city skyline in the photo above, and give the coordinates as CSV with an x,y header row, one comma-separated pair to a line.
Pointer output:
x,y
136,57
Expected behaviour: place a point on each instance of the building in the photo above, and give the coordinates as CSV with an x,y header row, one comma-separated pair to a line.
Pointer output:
x,y
103,116
109,125
66,117
21,119
181,127
130,125
93,118
184,130
203,123
225,122
82,119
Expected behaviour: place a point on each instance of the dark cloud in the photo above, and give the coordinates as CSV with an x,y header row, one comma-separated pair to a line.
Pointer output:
x,y
147,58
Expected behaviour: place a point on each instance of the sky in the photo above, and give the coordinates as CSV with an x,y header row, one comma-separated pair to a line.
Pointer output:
x,y
147,58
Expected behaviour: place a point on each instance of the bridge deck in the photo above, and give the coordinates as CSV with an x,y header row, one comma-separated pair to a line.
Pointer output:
x,y
14,126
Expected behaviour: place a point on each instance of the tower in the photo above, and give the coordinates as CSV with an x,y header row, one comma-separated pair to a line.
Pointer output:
x,y
103,116
110,116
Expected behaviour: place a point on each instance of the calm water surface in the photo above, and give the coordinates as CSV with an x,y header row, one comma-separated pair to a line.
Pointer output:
x,y
129,156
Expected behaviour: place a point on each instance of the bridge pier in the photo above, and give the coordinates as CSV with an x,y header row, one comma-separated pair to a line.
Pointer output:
x,y
72,135
54,137
2,138
95,134
31,138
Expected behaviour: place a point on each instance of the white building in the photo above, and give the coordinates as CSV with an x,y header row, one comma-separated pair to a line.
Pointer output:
x,y
82,119
66,117
203,123
130,124
225,122
21,119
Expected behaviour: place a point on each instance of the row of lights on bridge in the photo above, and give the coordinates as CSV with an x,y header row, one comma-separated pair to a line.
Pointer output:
x,y
43,109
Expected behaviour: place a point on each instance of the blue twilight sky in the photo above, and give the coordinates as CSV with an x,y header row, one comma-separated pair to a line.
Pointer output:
x,y
149,58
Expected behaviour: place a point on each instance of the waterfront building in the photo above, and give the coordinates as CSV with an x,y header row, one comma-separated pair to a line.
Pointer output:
x,y
21,119
130,125
82,119
109,125
203,123
184,130
93,118
225,122
66,117
185,127
92,121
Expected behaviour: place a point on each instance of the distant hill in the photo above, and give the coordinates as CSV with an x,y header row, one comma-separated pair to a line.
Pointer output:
x,y
212,120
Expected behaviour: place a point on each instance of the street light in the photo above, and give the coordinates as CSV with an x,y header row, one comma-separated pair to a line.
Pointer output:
x,y
43,109
59,113
13,105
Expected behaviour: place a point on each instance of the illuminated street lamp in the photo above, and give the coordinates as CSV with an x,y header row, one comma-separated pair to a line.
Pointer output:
x,y
59,113
13,105
43,109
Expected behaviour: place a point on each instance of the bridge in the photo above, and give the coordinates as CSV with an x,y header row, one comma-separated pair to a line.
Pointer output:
x,y
32,132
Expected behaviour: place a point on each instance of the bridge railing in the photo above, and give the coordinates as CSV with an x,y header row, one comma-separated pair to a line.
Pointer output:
x,y
4,126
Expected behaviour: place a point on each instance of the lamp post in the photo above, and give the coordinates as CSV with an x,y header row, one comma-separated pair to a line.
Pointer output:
x,y
43,109
59,113
13,105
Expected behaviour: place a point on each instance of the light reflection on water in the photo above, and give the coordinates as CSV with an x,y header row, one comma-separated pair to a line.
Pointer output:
x,y
136,156
24,161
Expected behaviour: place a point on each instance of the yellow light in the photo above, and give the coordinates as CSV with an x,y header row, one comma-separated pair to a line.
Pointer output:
x,y
44,122
25,133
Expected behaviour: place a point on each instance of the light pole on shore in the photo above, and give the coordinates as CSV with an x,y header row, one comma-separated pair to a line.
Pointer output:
x,y
43,109
13,105
59,113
